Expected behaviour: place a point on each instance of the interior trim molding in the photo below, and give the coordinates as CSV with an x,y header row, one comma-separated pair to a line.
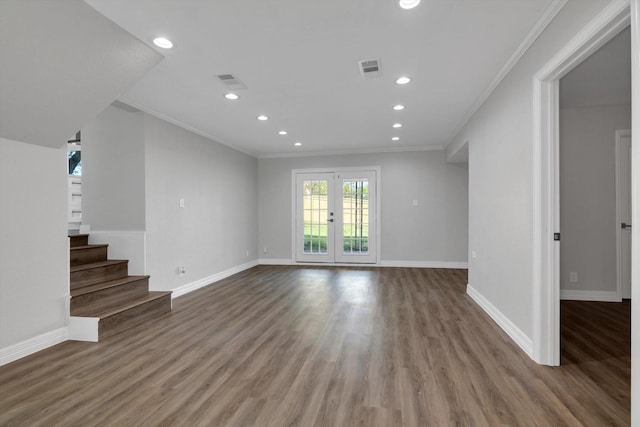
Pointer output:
x,y
520,338
33,345
83,328
275,261
582,295
552,10
409,149
425,264
545,171
383,263
209,280
131,103
620,250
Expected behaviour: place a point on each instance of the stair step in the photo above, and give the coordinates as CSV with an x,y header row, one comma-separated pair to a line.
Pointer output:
x,y
114,305
78,240
133,312
102,289
96,272
87,254
130,287
115,318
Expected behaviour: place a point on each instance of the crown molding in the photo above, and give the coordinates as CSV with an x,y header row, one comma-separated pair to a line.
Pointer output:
x,y
355,151
552,10
152,112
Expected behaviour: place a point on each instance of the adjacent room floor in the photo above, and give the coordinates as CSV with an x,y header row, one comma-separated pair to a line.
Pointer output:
x,y
323,346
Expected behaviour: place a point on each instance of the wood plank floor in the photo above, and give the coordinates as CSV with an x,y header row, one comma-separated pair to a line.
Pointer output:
x,y
297,346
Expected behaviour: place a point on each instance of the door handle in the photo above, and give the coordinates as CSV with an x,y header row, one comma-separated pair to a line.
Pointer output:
x,y
625,225
330,220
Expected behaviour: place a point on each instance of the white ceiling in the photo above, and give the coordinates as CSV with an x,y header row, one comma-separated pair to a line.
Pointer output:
x,y
604,78
61,64
299,61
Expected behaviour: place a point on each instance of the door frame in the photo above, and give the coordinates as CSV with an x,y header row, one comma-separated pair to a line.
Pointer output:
x,y
546,219
619,250
295,172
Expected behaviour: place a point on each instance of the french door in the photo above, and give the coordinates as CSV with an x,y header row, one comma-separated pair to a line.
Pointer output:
x,y
336,216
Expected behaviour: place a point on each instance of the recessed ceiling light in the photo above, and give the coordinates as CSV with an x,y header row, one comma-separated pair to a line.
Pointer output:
x,y
403,80
282,132
297,144
408,4
163,42
263,118
397,125
231,96
398,107
395,138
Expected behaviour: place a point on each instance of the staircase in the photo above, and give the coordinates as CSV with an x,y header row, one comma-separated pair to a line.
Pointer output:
x,y
104,295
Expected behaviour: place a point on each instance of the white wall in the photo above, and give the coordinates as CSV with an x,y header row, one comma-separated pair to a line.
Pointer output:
x,y
500,136
34,255
113,171
434,231
219,222
588,195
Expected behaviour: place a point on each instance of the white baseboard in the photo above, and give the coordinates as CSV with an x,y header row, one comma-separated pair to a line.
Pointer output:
x,y
406,264
32,345
519,337
602,296
425,264
131,245
275,261
83,328
190,287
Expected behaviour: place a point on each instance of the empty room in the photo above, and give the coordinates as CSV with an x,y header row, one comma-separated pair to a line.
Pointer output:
x,y
302,213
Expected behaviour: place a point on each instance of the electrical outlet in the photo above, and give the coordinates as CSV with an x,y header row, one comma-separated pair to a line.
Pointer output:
x,y
473,254
181,271
415,202
573,277
247,253
265,250
182,203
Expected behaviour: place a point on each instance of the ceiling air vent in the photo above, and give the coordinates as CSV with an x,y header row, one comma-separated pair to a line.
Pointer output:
x,y
370,68
231,81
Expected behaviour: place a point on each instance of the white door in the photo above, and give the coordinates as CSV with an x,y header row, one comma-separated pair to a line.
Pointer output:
x,y
355,229
336,216
315,217
623,210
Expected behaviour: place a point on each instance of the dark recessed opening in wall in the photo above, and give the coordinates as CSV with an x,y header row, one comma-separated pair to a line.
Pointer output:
x,y
594,196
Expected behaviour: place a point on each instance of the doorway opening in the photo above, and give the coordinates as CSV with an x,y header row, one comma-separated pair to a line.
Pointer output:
x,y
594,170
336,216
546,253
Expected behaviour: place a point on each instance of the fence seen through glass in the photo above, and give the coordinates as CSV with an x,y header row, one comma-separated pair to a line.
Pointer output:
x,y
355,216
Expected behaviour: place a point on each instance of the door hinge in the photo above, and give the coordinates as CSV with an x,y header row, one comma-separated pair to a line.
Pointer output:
x,y
556,237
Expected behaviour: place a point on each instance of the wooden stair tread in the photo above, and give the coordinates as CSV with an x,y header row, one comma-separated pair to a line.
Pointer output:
x,y
101,310
79,248
102,289
81,267
105,285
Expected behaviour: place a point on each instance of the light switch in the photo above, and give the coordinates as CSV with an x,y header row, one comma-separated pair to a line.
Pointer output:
x,y
415,202
182,203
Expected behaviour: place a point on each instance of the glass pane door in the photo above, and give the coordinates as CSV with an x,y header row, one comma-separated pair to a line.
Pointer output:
x,y
356,223
315,217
